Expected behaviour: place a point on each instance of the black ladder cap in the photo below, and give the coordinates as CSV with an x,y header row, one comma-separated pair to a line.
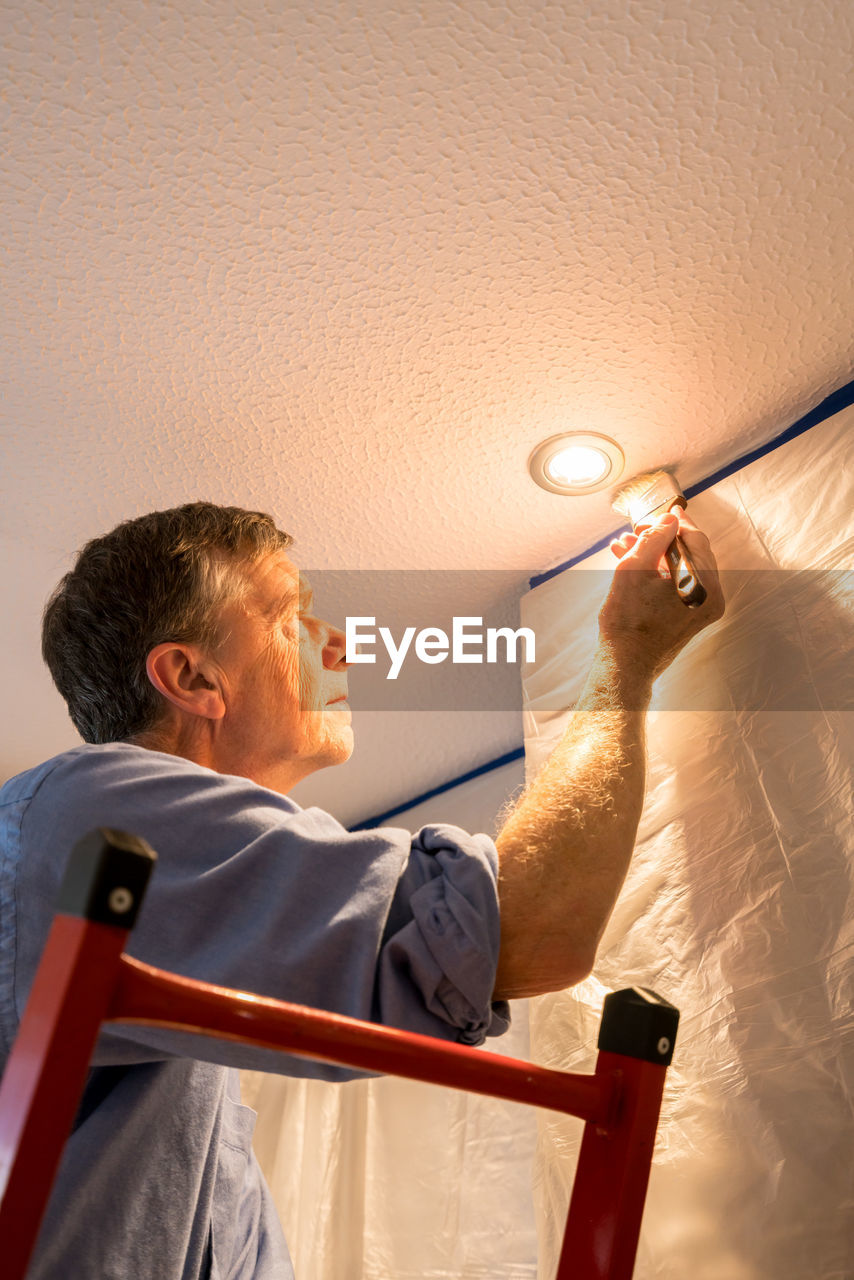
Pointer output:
x,y
639,1024
106,877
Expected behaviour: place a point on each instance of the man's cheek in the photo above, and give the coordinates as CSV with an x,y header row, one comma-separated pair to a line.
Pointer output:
x,y
305,688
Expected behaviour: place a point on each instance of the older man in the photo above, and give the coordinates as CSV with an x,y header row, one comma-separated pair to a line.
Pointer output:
x,y
205,688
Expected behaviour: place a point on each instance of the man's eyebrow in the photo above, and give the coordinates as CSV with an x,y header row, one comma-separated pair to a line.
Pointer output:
x,y
301,595
284,603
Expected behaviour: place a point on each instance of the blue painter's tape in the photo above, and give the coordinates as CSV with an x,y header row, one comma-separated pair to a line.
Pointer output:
x,y
517,753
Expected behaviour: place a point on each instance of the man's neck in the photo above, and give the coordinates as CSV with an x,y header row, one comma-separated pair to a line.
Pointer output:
x,y
200,748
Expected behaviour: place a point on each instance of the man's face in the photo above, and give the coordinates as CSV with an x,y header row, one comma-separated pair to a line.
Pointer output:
x,y
284,679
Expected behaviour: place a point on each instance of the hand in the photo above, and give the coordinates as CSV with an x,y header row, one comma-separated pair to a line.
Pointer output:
x,y
643,618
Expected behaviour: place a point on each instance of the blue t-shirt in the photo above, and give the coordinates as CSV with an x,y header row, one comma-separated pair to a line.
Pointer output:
x,y
249,891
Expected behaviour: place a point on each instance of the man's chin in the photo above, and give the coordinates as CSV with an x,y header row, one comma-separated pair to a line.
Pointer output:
x,y
329,739
338,747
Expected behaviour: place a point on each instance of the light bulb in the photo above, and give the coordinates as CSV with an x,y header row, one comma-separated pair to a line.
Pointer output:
x,y
579,465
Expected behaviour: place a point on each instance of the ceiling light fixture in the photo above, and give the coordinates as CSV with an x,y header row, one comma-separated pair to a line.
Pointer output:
x,y
576,462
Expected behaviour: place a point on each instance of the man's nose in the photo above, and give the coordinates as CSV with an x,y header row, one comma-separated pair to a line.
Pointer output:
x,y
335,648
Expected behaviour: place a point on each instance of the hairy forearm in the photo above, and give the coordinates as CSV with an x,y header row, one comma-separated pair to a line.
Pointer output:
x,y
565,849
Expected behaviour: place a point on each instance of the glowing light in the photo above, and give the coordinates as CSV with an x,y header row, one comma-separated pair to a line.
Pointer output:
x,y
579,465
576,463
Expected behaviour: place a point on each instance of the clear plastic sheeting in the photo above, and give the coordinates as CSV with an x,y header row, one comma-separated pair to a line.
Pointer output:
x,y
739,905
386,1179
390,1179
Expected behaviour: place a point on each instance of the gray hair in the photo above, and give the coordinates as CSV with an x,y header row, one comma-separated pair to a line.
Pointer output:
x,y
159,577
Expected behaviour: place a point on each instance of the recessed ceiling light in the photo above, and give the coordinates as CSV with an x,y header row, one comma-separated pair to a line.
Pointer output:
x,y
577,462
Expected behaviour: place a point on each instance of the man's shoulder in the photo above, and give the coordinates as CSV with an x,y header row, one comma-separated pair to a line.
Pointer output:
x,y
137,789
94,761
134,788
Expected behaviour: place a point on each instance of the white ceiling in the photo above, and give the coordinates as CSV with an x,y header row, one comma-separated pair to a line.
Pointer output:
x,y
350,263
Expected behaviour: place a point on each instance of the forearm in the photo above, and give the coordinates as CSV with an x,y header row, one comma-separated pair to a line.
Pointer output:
x,y
565,849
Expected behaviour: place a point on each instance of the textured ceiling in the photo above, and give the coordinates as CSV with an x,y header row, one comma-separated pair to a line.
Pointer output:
x,y
351,264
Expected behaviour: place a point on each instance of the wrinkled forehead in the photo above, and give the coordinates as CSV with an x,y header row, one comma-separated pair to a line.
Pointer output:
x,y
275,586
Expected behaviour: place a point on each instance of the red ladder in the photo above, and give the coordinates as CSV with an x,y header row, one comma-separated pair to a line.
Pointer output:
x,y
84,979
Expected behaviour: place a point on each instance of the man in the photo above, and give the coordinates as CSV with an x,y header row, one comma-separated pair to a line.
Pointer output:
x,y
205,687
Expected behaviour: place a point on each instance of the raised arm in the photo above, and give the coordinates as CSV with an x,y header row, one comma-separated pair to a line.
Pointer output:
x,y
565,849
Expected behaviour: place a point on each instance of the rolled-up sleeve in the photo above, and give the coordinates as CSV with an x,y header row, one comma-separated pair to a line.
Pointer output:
x,y
439,962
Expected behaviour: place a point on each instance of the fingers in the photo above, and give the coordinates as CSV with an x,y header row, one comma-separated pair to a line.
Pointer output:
x,y
653,540
686,521
645,549
698,546
643,618
676,522
620,546
698,551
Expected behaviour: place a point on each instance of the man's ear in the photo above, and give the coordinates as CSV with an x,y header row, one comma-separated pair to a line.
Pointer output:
x,y
182,675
